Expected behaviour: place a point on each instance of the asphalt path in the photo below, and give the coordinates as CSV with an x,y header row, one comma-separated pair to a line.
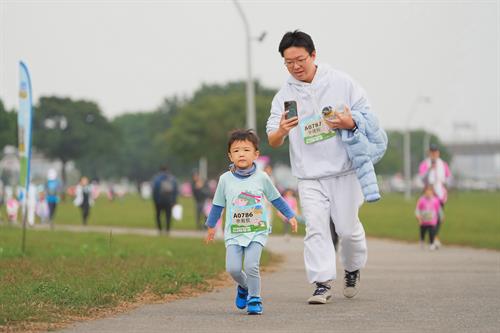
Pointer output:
x,y
403,289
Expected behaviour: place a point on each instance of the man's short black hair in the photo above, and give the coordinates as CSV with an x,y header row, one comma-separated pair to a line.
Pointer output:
x,y
298,39
243,135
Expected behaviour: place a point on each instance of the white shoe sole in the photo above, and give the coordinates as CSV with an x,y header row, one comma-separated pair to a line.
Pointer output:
x,y
319,299
351,292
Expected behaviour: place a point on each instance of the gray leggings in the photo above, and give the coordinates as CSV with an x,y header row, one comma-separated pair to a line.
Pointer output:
x,y
250,277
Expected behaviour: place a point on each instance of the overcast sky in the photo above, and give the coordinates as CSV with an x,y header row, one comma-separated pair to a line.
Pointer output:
x,y
129,55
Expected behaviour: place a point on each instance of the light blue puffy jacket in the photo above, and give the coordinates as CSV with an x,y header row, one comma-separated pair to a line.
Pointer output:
x,y
365,147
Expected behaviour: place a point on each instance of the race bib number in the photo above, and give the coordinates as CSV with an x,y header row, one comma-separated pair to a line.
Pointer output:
x,y
248,219
428,215
314,129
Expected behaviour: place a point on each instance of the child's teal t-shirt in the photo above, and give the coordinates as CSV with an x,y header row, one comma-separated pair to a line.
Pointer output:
x,y
243,199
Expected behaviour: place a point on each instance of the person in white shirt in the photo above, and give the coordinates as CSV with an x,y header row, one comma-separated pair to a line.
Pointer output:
x,y
84,198
328,184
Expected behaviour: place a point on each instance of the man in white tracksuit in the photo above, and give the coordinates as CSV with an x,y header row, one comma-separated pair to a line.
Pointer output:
x,y
328,185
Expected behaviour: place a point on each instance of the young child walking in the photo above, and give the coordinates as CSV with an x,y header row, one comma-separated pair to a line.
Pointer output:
x,y
428,212
241,191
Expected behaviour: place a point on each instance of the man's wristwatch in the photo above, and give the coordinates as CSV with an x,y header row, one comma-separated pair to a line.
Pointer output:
x,y
355,128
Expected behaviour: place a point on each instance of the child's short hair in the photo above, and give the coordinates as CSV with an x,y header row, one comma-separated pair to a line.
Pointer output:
x,y
243,135
428,187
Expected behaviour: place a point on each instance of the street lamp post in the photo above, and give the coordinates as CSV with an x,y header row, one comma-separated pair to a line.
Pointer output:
x,y
251,119
407,144
58,123
426,142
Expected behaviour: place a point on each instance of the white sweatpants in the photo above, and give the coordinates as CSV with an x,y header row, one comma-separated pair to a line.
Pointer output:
x,y
340,199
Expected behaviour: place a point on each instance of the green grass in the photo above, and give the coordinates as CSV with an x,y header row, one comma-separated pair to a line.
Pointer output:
x,y
472,218
130,211
66,275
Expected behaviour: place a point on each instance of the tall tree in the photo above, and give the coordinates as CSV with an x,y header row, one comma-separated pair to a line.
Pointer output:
x,y
142,149
8,127
200,127
72,130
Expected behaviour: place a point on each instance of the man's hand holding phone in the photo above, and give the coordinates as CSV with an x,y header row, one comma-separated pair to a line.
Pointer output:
x,y
289,119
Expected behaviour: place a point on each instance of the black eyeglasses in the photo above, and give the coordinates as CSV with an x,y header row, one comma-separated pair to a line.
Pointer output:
x,y
300,62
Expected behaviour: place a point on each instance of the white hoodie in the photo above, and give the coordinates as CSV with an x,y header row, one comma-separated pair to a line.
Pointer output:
x,y
325,158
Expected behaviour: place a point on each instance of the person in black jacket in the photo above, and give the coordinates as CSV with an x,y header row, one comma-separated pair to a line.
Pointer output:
x,y
201,193
165,192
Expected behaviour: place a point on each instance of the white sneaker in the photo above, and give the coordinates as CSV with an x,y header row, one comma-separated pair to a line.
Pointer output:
x,y
322,294
433,247
351,283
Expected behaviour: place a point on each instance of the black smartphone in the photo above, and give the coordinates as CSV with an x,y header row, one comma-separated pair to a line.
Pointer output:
x,y
291,107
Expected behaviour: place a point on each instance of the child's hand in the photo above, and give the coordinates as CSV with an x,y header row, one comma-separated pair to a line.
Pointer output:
x,y
293,223
210,235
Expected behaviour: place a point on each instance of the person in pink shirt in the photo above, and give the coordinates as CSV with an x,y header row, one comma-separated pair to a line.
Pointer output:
x,y
428,212
436,172
291,200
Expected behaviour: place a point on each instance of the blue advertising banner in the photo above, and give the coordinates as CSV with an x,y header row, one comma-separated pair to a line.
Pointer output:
x,y
24,123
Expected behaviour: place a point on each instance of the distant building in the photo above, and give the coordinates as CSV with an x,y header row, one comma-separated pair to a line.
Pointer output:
x,y
476,165
9,167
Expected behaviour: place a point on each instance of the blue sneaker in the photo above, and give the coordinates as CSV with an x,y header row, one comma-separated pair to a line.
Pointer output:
x,y
241,298
254,306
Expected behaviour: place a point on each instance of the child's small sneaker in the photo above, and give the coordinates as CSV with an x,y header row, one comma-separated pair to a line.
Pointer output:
x,y
351,283
241,297
254,306
321,295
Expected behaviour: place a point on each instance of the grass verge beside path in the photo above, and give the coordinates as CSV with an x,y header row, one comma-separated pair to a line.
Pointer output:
x,y
67,276
471,219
